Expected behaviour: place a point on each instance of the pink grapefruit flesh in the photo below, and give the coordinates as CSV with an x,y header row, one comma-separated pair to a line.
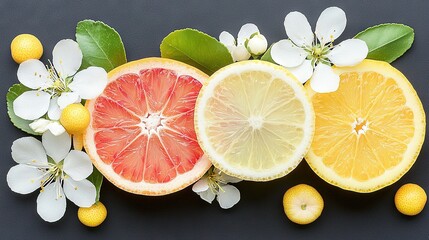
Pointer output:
x,y
141,135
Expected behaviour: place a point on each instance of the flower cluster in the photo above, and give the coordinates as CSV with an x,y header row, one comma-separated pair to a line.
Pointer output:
x,y
307,55
50,165
56,86
249,42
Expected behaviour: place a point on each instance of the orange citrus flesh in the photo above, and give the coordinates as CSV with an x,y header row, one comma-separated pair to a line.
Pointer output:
x,y
141,135
370,131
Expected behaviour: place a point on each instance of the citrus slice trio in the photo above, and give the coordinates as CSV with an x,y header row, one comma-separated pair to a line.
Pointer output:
x,y
253,120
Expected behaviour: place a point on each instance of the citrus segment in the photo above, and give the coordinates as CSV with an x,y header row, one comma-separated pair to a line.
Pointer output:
x,y
254,120
370,131
141,135
128,92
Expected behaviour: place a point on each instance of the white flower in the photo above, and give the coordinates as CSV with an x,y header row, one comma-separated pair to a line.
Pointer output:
x,y
249,42
309,55
58,85
51,166
215,185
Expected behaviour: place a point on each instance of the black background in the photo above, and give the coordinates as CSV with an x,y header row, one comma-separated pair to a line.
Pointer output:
x,y
183,215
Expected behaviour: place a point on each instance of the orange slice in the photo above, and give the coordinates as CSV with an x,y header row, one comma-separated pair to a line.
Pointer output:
x,y
370,131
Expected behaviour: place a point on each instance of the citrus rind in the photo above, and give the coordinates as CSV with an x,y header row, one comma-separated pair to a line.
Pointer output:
x,y
143,188
391,175
277,72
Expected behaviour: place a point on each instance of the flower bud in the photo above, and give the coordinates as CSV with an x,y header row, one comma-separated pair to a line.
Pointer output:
x,y
257,44
240,53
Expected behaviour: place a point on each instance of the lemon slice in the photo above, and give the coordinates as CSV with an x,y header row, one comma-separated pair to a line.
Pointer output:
x,y
370,131
254,120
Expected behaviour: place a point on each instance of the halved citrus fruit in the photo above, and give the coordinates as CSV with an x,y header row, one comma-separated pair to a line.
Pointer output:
x,y
370,131
254,120
141,136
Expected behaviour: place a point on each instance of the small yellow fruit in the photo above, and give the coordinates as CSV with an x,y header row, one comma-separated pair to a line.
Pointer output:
x,y
410,199
75,118
92,216
302,204
24,47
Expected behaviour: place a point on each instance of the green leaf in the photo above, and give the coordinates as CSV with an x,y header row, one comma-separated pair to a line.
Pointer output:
x,y
267,56
97,179
387,41
101,45
12,94
197,49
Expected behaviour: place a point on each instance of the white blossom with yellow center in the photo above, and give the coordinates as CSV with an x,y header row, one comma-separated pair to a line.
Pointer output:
x,y
57,171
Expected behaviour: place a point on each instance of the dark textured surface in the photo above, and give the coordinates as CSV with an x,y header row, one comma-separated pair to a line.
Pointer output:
x,y
183,215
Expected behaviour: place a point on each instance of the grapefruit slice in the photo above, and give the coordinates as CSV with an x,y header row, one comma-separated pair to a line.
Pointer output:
x,y
141,136
370,131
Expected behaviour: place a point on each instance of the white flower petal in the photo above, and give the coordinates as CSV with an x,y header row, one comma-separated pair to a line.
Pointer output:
x,y
348,53
56,128
285,53
77,165
24,179
89,83
226,39
229,179
57,147
324,79
40,125
28,150
33,74
298,29
51,203
31,105
245,32
207,196
201,186
67,57
302,72
240,53
68,98
54,111
331,24
228,196
82,193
